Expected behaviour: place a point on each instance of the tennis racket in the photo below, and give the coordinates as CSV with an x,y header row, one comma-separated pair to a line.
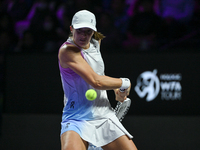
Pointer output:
x,y
122,108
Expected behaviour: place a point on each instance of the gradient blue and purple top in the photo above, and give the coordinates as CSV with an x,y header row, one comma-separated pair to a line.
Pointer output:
x,y
76,106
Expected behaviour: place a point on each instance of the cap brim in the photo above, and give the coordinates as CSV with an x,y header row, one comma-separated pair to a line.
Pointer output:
x,y
84,25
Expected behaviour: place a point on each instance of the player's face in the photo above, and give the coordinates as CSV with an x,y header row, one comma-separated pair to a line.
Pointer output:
x,y
82,37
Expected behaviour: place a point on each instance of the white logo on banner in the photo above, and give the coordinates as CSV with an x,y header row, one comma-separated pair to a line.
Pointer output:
x,y
170,85
149,85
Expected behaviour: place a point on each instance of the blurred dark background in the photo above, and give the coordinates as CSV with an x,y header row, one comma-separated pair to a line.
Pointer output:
x,y
148,41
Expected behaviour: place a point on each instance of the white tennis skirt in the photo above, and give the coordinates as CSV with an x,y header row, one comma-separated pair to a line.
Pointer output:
x,y
97,132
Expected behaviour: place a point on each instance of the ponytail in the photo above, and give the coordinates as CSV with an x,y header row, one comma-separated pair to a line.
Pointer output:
x,y
98,36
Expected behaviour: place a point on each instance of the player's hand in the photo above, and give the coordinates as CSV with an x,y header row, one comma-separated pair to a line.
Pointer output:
x,y
121,96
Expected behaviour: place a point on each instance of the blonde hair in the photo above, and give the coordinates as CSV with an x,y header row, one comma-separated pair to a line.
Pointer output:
x,y
98,36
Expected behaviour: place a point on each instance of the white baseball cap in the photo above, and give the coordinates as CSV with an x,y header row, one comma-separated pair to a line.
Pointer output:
x,y
84,19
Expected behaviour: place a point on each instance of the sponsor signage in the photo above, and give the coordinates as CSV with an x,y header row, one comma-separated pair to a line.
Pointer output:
x,y
150,84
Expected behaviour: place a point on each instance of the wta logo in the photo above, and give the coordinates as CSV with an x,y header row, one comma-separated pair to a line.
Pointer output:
x,y
148,85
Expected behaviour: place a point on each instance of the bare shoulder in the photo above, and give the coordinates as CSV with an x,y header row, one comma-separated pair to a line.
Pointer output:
x,y
68,53
69,48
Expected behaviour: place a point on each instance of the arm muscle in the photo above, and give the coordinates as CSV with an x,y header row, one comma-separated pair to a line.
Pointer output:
x,y
70,57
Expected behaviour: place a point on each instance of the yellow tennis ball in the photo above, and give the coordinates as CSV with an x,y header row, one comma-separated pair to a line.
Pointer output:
x,y
91,94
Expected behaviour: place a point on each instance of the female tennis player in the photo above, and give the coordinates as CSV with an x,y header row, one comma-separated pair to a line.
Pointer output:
x,y
82,68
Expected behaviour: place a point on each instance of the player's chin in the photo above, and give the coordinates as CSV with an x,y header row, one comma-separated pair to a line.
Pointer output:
x,y
83,46
82,43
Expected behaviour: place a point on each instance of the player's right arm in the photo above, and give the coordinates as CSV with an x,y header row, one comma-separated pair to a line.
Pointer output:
x,y
70,57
